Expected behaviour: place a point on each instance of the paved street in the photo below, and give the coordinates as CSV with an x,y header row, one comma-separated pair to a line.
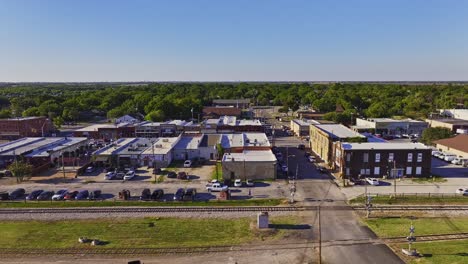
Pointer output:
x,y
316,189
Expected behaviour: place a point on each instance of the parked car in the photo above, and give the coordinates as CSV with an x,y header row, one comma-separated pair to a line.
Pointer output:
x,y
119,176
4,196
306,154
89,169
189,194
45,195
249,183
462,191
301,146
435,152
59,195
237,183
82,195
217,187
311,158
70,195
129,175
356,181
172,174
93,195
439,155
182,175
450,157
145,194
179,194
372,181
34,194
110,175
18,193
157,194
187,164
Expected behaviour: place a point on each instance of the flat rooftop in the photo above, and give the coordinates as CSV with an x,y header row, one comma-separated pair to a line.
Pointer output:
x,y
453,121
96,127
391,120
306,122
384,146
188,142
250,155
244,140
37,145
338,131
162,146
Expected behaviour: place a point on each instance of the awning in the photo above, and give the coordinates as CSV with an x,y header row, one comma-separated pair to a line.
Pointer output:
x,y
101,158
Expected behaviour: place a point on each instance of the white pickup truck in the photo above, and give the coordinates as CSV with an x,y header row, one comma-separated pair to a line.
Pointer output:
x,y
216,187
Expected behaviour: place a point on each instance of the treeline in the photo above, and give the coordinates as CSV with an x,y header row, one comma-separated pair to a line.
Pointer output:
x,y
161,101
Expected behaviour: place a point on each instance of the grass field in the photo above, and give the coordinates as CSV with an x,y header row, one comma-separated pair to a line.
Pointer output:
x,y
135,233
395,227
219,175
416,200
453,252
51,204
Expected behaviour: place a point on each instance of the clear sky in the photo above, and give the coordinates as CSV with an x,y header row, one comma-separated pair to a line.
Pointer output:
x,y
233,40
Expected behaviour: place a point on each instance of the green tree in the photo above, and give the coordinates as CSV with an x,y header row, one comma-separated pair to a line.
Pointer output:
x,y
155,116
58,121
5,113
20,170
431,134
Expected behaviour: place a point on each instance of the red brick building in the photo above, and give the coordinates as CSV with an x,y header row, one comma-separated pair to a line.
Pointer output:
x,y
15,128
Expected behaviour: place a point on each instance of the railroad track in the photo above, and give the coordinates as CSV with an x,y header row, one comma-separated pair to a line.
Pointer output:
x,y
175,209
414,207
428,238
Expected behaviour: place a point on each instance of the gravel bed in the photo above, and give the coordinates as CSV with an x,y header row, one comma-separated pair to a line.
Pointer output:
x,y
68,216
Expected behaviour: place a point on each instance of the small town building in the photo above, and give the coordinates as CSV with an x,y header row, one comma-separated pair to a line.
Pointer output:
x,y
161,152
389,126
249,164
20,127
455,113
214,112
130,118
231,124
301,127
209,146
458,126
238,103
353,160
457,145
41,152
107,131
187,148
123,152
322,137
244,141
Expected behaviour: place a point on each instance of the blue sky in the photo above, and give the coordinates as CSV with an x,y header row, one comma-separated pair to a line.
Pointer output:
x,y
225,40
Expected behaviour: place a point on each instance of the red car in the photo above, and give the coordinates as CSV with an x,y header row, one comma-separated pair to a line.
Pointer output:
x,y
70,195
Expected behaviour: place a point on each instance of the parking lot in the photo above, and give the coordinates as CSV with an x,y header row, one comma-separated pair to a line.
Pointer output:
x,y
455,176
199,177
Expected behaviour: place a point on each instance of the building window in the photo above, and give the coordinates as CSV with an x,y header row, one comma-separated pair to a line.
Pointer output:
x,y
390,157
376,170
418,170
365,171
410,157
409,170
377,157
419,159
348,171
366,157
348,157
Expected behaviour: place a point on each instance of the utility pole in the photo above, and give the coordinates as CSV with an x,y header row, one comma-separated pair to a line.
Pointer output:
x,y
394,178
63,166
319,237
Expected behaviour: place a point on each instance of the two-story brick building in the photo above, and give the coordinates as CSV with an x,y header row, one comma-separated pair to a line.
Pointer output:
x,y
352,160
322,137
34,126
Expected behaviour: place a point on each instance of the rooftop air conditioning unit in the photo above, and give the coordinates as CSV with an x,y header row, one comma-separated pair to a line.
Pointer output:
x,y
165,140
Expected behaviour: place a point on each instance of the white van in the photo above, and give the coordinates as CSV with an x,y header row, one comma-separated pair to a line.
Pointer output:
x,y
459,161
449,157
